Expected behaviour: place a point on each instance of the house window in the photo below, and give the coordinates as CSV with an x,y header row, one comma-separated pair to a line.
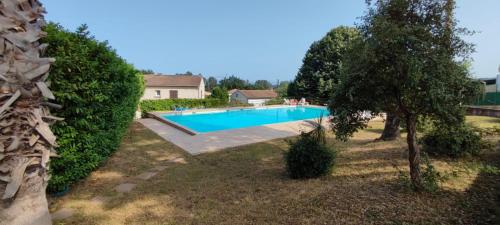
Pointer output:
x,y
157,93
174,94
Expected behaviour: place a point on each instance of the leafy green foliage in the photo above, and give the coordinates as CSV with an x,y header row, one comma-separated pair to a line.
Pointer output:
x,y
211,83
408,61
147,71
309,156
233,82
220,93
262,85
453,141
321,65
275,101
424,124
431,178
99,93
282,89
170,104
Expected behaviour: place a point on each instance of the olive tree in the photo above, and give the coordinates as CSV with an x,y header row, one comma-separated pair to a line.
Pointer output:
x,y
408,61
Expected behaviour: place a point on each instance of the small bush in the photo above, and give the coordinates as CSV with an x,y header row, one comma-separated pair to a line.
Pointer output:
x,y
431,178
453,141
309,156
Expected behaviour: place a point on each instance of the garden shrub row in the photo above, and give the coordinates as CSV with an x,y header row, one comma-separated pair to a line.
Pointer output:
x,y
99,93
275,101
171,104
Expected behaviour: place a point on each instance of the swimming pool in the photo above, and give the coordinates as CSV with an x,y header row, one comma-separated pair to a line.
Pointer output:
x,y
203,122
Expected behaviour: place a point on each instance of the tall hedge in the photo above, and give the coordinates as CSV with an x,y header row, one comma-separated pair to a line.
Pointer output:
x,y
99,93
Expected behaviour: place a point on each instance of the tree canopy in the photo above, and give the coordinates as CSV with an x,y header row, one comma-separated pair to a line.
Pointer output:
x,y
220,93
211,83
409,60
262,85
321,65
283,88
233,82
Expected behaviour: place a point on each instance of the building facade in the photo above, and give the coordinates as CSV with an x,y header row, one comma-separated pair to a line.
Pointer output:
x,y
173,86
254,97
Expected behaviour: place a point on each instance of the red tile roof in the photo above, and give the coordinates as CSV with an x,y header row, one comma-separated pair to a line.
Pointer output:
x,y
172,80
258,94
232,91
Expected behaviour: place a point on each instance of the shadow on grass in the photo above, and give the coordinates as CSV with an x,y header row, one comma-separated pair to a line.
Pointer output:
x,y
248,185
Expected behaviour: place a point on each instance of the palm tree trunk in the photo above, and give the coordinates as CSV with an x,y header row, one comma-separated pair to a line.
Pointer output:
x,y
26,141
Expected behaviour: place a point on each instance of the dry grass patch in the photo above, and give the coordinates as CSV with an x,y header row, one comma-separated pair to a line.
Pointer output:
x,y
248,185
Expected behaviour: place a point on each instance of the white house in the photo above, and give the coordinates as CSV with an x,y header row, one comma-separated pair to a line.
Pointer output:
x,y
255,97
173,86
491,84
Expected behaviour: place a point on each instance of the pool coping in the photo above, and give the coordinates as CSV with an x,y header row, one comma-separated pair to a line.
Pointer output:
x,y
158,115
228,139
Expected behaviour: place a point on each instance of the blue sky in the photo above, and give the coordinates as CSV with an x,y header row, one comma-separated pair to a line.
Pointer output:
x,y
257,39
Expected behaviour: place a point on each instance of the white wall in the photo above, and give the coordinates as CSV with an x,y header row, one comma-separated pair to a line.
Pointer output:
x,y
491,88
201,88
182,92
257,102
238,97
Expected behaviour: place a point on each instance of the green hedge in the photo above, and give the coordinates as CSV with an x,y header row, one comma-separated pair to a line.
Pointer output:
x,y
170,104
275,101
99,93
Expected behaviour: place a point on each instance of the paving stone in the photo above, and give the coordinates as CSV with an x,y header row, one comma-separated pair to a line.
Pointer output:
x,y
125,187
62,213
99,199
146,175
160,168
213,141
178,160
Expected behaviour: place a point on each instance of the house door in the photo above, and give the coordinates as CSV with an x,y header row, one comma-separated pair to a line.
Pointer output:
x,y
174,94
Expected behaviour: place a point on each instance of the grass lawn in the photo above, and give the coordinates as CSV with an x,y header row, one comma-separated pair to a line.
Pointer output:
x,y
248,185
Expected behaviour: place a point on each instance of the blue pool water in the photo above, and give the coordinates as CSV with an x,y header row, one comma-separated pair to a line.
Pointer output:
x,y
233,119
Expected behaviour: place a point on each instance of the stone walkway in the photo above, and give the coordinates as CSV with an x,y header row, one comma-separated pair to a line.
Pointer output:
x,y
213,141
126,187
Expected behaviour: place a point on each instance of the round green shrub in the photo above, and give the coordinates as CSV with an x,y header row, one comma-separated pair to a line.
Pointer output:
x,y
309,158
453,141
220,93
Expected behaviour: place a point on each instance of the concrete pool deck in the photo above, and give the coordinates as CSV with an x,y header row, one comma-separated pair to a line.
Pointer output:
x,y
218,140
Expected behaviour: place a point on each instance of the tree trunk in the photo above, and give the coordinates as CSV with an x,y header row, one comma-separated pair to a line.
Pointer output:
x,y
26,141
414,152
28,209
391,128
